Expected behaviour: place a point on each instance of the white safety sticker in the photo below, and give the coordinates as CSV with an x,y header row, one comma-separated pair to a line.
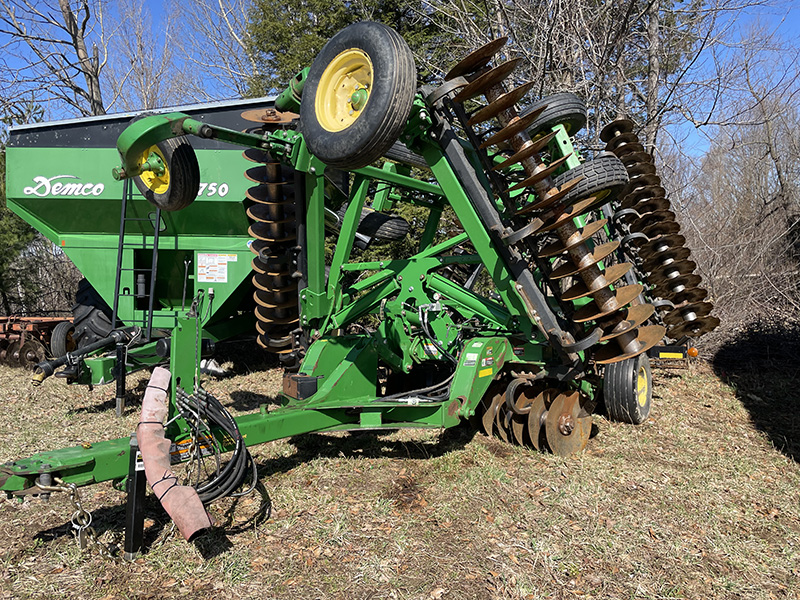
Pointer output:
x,y
213,268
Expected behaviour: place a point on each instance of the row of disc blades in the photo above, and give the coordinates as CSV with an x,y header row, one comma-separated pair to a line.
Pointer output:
x,y
274,229
653,235
553,210
15,353
544,418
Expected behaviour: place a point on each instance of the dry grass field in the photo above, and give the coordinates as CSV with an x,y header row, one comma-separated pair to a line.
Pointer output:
x,y
702,501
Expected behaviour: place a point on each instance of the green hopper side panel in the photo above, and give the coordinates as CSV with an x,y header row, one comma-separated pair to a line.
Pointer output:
x,y
59,181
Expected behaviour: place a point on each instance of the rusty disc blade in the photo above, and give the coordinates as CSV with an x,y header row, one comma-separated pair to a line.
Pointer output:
x,y
585,234
540,174
677,285
694,328
257,156
599,253
636,315
667,273
266,233
567,425
518,422
488,80
272,320
670,255
615,128
662,228
266,173
569,213
495,396
653,218
628,148
635,158
271,193
620,140
502,418
649,205
513,128
265,285
269,116
647,192
648,336
624,296
611,274
663,243
528,150
536,418
640,181
275,212
476,59
504,102
689,295
640,168
551,197
687,312
31,353
266,300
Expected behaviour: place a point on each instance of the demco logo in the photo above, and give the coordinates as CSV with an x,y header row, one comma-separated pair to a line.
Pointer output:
x,y
52,187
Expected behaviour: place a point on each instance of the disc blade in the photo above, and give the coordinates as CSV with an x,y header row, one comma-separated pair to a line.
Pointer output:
x,y
568,426
488,80
476,59
504,102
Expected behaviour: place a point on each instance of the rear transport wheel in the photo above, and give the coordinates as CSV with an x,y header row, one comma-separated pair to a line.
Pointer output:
x,y
358,95
628,390
563,108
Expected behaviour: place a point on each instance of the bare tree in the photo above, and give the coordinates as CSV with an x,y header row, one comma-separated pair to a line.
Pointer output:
x,y
55,51
145,72
213,43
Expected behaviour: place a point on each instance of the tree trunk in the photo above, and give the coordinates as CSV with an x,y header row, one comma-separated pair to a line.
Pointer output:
x,y
653,75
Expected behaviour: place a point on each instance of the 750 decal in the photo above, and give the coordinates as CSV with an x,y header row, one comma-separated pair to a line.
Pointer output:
x,y
211,189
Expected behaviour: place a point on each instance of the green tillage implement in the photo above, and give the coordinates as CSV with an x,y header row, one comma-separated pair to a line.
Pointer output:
x,y
393,342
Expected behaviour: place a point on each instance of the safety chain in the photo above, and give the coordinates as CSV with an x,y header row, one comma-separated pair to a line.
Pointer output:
x,y
81,520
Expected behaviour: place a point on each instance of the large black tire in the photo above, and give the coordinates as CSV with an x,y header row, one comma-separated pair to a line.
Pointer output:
x,y
62,339
91,316
378,225
563,108
347,133
179,186
603,177
628,390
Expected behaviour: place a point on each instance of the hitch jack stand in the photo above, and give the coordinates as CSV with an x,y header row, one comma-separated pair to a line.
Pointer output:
x,y
135,486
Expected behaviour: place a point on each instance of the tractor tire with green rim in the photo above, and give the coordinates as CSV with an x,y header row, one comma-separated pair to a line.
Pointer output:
x,y
563,108
91,316
62,340
358,95
179,185
628,390
603,177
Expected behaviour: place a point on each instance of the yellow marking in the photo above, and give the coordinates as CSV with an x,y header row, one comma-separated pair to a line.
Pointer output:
x,y
484,372
670,355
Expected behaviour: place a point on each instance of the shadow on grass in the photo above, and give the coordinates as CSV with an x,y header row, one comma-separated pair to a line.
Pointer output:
x,y
133,400
762,364
365,444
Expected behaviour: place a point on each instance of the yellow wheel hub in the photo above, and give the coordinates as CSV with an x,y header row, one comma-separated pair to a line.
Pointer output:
x,y
158,184
343,90
641,386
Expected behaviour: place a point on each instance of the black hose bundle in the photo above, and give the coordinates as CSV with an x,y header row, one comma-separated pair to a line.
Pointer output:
x,y
205,413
